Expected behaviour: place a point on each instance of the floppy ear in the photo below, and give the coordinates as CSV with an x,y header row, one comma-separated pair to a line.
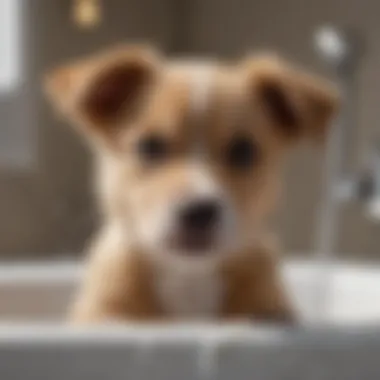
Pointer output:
x,y
100,92
297,103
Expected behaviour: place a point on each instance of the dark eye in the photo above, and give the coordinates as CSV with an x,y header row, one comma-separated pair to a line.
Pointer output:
x,y
242,152
152,148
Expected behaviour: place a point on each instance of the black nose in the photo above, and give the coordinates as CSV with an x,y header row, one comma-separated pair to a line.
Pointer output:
x,y
201,214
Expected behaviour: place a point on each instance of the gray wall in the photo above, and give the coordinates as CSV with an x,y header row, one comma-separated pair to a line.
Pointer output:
x,y
287,26
48,210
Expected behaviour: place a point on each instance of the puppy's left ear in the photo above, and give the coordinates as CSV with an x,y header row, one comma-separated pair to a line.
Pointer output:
x,y
102,94
297,103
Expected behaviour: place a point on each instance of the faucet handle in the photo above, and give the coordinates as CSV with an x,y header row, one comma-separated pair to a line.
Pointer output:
x,y
373,198
365,187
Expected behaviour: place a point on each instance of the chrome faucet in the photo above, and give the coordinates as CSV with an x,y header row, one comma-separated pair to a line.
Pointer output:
x,y
341,51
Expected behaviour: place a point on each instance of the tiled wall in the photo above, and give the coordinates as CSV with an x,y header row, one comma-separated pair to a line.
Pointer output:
x,y
47,210
231,27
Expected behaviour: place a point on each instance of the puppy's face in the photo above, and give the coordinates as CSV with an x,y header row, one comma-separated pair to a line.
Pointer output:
x,y
189,153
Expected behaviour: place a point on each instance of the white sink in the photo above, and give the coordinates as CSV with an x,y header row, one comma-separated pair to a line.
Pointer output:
x,y
34,344
42,292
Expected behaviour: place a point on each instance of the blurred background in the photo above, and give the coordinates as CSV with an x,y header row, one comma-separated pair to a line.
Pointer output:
x,y
329,217
46,204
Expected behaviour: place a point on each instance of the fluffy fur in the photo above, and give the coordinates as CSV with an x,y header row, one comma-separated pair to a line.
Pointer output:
x,y
117,99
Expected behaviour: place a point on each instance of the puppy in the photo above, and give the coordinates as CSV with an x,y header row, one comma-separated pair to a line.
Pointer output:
x,y
188,157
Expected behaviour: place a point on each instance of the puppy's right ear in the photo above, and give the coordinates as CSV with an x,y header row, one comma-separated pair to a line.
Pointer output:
x,y
102,94
299,104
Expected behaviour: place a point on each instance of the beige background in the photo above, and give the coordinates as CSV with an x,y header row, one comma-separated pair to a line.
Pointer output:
x,y
46,207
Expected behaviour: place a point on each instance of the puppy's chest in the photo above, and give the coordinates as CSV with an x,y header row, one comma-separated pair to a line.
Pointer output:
x,y
190,295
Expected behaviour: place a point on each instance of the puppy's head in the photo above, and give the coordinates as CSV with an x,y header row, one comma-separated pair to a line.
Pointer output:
x,y
189,153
